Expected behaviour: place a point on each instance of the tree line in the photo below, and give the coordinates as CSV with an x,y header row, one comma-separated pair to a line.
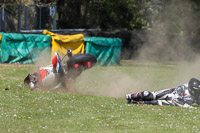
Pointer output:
x,y
122,14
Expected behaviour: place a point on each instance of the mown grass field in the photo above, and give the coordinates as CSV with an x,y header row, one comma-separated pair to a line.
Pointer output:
x,y
97,102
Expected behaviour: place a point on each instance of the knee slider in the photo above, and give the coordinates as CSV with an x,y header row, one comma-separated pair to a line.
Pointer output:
x,y
146,95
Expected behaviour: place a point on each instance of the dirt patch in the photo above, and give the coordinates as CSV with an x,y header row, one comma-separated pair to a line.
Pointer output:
x,y
15,65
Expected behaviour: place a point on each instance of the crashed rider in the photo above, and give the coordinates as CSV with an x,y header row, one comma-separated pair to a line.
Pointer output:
x,y
184,96
47,76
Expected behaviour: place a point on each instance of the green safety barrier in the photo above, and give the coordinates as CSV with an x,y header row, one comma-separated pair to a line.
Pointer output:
x,y
107,50
23,48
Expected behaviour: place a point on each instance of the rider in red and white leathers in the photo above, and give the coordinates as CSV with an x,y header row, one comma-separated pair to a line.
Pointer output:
x,y
46,76
184,96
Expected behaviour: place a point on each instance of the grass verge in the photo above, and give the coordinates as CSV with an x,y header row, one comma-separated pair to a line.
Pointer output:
x,y
92,110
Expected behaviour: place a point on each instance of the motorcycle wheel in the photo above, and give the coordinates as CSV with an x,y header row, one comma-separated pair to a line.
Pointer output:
x,y
81,61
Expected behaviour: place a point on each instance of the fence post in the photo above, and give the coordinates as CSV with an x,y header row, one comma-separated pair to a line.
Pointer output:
x,y
19,18
25,17
54,18
3,19
40,17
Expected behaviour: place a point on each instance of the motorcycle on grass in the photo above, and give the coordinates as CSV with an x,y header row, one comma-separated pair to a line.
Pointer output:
x,y
60,73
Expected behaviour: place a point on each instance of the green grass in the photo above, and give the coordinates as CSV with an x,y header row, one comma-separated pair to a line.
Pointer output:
x,y
96,103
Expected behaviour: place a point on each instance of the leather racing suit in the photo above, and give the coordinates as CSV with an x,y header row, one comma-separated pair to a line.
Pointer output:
x,y
178,96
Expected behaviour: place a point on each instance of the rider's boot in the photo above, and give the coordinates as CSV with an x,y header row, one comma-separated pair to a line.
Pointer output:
x,y
128,98
134,96
143,95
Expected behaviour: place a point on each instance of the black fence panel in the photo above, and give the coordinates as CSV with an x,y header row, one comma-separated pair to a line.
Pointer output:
x,y
14,18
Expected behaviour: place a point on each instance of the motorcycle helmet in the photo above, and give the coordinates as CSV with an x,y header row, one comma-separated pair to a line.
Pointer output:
x,y
194,87
31,81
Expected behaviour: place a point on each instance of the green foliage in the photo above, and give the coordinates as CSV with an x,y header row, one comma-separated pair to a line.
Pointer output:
x,y
129,14
103,14
27,2
179,17
47,1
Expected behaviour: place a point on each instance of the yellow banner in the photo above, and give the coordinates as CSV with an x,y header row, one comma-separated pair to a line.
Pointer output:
x,y
60,43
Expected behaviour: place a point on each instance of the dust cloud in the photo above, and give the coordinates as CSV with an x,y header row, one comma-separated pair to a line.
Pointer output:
x,y
44,59
171,39
110,82
174,37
